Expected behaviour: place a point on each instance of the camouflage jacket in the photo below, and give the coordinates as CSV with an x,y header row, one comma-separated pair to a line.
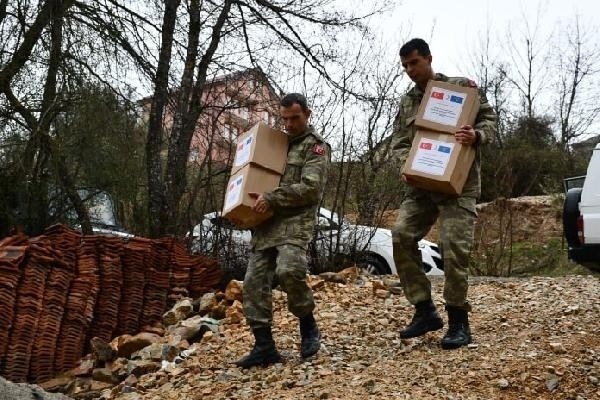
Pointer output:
x,y
295,201
404,130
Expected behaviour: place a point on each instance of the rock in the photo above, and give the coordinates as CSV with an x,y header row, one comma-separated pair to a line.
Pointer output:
x,y
192,329
157,352
141,367
118,367
574,309
180,311
552,382
382,294
58,384
206,303
557,348
391,282
98,386
502,383
10,390
234,291
395,290
316,283
220,310
101,350
235,313
377,285
130,344
208,336
186,330
149,381
107,394
332,277
129,396
156,329
85,368
104,375
79,385
128,389
350,274
131,380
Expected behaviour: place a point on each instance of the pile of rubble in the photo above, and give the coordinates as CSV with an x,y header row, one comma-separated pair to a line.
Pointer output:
x,y
534,338
116,367
60,289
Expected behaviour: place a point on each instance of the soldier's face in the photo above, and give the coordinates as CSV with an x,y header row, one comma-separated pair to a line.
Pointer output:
x,y
294,119
417,67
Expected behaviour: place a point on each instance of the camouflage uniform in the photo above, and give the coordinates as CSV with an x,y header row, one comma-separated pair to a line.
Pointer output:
x,y
420,209
279,244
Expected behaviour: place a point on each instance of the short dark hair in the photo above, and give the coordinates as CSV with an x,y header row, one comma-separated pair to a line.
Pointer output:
x,y
289,99
417,44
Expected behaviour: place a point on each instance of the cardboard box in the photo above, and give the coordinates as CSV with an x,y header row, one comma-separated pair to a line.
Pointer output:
x,y
446,107
437,162
237,205
261,145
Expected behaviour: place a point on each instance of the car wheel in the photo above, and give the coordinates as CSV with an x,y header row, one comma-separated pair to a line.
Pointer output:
x,y
570,215
373,264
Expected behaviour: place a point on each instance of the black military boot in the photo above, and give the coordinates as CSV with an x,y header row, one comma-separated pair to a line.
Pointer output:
x,y
459,333
310,335
426,319
263,352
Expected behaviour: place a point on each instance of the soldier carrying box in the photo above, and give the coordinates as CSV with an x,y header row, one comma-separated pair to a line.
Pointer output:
x,y
421,208
279,244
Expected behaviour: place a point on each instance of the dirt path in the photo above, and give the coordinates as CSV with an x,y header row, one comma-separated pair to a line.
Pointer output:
x,y
535,338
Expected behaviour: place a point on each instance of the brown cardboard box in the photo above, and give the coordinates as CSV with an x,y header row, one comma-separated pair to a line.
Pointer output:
x,y
446,107
437,162
237,205
261,145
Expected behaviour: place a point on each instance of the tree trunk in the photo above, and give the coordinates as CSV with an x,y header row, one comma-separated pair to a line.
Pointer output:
x,y
155,128
179,144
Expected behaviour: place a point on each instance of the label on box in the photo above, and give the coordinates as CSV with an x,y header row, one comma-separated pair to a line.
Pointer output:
x,y
242,154
444,106
234,192
432,157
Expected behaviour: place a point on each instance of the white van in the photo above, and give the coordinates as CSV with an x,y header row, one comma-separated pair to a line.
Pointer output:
x,y
581,216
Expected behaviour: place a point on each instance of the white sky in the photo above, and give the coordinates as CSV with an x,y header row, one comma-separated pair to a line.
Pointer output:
x,y
451,27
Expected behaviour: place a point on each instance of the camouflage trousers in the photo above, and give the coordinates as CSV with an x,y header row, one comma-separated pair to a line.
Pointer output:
x,y
418,213
288,262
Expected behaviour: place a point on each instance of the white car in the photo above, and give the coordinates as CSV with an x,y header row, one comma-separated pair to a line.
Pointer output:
x,y
581,216
335,245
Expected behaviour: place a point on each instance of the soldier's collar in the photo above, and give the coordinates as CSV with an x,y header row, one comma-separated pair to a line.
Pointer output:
x,y
418,93
309,130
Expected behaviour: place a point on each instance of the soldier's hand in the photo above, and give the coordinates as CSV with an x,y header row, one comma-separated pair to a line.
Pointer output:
x,y
260,204
466,135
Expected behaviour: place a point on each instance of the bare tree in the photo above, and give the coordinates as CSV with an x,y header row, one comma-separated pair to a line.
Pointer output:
x,y
490,72
529,60
215,32
577,108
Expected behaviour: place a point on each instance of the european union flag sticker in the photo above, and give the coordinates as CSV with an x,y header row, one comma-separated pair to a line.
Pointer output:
x,y
444,149
456,99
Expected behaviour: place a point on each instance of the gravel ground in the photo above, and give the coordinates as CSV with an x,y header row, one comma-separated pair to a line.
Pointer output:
x,y
534,338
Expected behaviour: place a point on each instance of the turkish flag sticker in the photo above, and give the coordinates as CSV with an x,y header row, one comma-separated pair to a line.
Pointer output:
x,y
318,149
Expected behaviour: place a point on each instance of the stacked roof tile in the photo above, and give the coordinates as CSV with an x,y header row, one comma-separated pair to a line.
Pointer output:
x,y
60,289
